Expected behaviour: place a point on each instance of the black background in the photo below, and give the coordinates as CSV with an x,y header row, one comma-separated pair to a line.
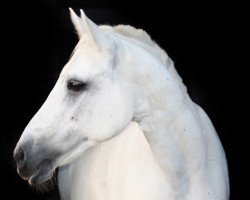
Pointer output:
x,y
206,41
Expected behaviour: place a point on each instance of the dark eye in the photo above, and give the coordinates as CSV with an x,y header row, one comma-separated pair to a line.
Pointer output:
x,y
76,86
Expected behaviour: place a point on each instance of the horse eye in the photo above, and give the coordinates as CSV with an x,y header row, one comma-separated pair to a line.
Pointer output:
x,y
76,86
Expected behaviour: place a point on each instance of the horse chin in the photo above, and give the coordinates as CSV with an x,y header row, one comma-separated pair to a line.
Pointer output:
x,y
42,174
40,177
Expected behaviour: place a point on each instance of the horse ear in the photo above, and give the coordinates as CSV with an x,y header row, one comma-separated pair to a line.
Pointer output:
x,y
86,28
93,32
77,23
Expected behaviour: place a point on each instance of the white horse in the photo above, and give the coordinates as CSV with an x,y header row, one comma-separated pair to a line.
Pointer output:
x,y
120,125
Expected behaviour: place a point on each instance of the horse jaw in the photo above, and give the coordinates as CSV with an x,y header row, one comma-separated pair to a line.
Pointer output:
x,y
75,152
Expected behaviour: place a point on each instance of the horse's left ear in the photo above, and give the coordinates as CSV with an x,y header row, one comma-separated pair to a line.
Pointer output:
x,y
77,23
87,29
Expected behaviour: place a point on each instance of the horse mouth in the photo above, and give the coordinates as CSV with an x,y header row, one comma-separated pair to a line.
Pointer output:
x,y
40,174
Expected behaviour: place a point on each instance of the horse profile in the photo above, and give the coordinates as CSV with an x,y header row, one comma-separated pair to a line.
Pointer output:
x,y
119,124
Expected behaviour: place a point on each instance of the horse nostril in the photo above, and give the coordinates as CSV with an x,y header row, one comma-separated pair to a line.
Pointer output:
x,y
19,156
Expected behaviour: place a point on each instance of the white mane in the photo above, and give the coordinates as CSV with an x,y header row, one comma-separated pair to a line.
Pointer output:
x,y
143,39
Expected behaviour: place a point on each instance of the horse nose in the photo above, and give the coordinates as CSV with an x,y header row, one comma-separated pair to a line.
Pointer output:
x,y
24,159
19,156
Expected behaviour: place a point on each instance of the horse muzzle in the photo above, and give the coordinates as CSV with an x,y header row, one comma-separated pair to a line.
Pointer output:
x,y
33,166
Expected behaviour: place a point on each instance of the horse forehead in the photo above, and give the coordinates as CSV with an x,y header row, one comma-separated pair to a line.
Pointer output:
x,y
85,61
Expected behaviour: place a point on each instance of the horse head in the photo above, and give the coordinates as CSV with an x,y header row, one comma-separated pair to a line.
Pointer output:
x,y
89,103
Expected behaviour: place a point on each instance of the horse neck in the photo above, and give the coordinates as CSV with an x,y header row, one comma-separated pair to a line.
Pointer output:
x,y
168,118
164,124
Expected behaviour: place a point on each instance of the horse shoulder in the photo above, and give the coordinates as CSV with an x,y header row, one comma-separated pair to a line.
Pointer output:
x,y
216,172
